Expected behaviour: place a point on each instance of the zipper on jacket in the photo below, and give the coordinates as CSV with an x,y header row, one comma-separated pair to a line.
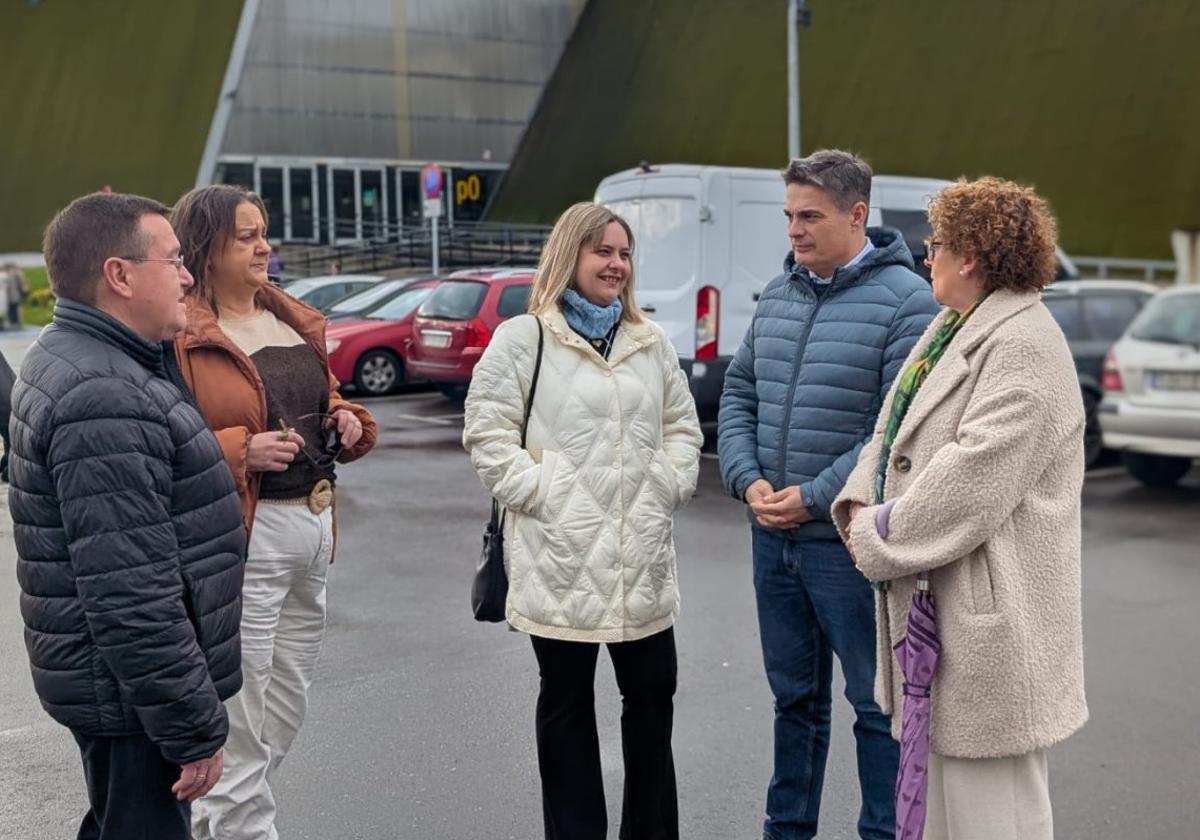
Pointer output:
x,y
791,392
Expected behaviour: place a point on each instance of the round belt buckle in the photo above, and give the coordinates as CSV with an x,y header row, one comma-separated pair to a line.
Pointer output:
x,y
320,497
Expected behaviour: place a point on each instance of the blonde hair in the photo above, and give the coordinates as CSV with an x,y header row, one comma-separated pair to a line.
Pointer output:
x,y
581,224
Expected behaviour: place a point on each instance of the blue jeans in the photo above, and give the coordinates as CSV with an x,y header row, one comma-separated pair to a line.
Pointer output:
x,y
813,603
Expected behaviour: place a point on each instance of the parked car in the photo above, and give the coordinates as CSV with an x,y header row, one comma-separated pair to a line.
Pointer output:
x,y
1093,314
1151,408
455,323
370,351
319,292
360,304
710,238
491,269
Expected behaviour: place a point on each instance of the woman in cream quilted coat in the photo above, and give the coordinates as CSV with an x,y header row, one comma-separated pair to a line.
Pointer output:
x,y
973,479
612,452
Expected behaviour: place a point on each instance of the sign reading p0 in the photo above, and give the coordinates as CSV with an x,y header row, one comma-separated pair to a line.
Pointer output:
x,y
468,189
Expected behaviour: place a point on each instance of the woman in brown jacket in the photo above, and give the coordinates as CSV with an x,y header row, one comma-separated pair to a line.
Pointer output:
x,y
255,359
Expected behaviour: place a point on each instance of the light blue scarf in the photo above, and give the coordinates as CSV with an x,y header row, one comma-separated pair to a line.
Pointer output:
x,y
588,319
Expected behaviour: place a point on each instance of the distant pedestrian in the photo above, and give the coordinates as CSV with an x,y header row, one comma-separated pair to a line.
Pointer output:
x,y
973,479
5,285
255,359
801,395
611,452
127,525
15,292
275,264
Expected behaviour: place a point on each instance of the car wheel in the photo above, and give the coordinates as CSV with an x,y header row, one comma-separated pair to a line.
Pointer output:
x,y
378,372
1093,438
453,391
1157,470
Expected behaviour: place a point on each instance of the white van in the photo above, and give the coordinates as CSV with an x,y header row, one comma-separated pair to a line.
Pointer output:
x,y
710,238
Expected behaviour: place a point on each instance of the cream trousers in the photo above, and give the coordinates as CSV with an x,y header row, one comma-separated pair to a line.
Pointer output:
x,y
989,798
283,625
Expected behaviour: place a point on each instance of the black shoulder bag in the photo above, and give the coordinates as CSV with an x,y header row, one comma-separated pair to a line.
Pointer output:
x,y
489,590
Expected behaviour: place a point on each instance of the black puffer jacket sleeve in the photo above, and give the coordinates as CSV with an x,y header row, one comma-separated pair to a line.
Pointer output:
x,y
125,558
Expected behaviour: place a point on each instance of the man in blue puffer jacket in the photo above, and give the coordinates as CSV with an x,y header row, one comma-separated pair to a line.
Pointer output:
x,y
800,400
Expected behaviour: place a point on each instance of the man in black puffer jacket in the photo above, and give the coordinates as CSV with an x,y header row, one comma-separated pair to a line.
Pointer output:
x,y
128,528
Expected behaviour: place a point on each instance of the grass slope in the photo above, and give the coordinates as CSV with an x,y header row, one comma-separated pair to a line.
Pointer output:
x,y
1093,101
119,92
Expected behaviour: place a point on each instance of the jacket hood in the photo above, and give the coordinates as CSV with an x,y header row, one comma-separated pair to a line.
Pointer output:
x,y
890,249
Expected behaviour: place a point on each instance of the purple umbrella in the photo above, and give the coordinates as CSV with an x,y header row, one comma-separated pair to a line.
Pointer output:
x,y
917,654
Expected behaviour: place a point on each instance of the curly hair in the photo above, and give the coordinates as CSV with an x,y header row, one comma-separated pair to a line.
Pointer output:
x,y
1008,227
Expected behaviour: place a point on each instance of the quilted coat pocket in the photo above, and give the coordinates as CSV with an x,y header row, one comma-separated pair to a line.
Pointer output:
x,y
550,466
190,605
983,592
671,479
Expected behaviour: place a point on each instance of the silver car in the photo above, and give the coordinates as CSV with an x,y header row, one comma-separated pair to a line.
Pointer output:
x,y
1151,406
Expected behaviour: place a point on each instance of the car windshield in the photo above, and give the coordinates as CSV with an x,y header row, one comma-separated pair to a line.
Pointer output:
x,y
367,297
1170,319
402,304
299,287
454,300
913,226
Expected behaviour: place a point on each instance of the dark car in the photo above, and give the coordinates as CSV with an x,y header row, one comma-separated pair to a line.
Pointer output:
x,y
1093,314
455,323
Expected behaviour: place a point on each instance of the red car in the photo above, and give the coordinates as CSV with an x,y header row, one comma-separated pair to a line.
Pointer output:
x,y
370,351
455,324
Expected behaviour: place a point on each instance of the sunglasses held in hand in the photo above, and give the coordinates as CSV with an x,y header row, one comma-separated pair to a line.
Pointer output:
x,y
331,440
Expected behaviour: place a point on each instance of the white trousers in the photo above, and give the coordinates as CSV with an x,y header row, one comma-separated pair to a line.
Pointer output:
x,y
283,625
989,798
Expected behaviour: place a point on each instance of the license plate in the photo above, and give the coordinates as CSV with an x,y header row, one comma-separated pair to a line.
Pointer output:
x,y
435,339
1175,380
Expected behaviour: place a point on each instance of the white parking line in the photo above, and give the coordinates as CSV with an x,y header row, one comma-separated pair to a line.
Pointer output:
x,y
437,419
419,396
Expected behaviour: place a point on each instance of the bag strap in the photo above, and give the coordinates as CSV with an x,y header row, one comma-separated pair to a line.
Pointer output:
x,y
537,371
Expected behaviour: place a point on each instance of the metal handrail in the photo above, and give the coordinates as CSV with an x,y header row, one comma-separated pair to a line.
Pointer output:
x,y
465,244
1120,267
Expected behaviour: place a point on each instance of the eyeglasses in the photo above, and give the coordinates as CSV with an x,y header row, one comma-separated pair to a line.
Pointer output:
x,y
931,249
331,445
175,261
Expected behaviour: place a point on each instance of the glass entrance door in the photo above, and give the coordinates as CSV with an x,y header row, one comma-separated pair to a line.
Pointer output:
x,y
409,191
372,204
344,203
301,204
271,191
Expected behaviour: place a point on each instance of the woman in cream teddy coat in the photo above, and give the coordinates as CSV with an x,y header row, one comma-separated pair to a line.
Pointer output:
x,y
612,452
982,493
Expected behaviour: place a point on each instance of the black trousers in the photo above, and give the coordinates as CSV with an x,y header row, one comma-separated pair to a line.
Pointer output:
x,y
569,748
129,789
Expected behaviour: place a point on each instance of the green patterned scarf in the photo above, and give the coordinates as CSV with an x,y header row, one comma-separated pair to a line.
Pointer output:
x,y
911,380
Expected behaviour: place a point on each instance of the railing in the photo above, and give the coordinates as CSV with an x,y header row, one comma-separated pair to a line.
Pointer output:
x,y
470,244
465,245
1151,271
